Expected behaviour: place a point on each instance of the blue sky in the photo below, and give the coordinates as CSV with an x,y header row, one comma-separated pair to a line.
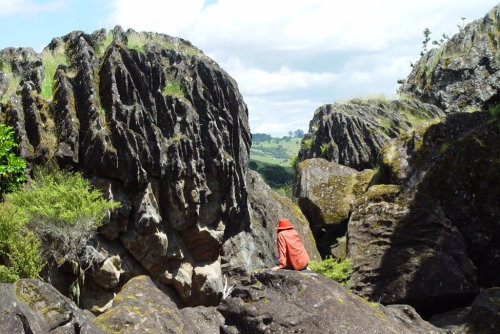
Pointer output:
x,y
288,56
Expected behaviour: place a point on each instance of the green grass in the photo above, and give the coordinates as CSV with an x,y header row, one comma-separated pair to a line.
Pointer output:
x,y
276,151
101,47
337,269
50,60
174,88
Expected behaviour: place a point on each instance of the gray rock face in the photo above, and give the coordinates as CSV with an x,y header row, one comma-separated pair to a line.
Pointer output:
x,y
141,307
156,124
325,191
464,72
253,244
31,306
352,134
306,302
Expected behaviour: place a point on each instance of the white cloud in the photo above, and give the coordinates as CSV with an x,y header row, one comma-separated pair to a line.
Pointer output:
x,y
285,52
11,7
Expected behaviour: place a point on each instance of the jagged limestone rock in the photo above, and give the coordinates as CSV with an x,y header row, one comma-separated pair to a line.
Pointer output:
x,y
463,73
353,133
154,123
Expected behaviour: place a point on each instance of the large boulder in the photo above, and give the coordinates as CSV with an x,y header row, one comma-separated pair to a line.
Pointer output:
x,y
32,306
404,249
141,307
325,192
156,125
305,302
463,73
353,133
253,244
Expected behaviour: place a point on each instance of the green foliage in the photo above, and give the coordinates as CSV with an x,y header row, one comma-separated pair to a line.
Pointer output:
x,y
12,167
51,60
276,176
101,47
174,88
62,208
324,150
294,162
137,41
61,197
306,144
277,151
259,137
19,248
495,111
336,269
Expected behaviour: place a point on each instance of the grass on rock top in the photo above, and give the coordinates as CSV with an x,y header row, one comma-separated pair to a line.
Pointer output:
x,y
51,60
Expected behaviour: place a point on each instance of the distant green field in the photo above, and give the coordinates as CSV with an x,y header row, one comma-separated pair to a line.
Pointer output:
x,y
271,158
277,151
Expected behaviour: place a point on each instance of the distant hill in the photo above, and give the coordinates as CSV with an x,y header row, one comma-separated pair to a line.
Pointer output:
x,y
272,157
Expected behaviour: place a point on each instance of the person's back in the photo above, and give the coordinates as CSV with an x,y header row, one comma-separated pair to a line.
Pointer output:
x,y
291,250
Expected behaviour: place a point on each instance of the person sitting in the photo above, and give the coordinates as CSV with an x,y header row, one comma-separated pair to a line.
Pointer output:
x,y
291,250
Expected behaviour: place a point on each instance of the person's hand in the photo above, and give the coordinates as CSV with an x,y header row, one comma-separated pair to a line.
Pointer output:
x,y
275,268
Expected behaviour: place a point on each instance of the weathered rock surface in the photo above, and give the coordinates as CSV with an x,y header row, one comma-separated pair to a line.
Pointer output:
x,y
433,240
305,302
464,73
325,191
156,125
141,307
31,306
352,134
253,245
482,316
405,250
406,159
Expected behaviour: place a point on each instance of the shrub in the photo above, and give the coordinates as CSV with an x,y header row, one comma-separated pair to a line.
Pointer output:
x,y
19,248
12,167
306,144
62,208
337,269
324,150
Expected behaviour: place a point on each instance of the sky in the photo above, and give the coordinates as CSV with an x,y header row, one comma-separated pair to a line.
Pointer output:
x,y
288,57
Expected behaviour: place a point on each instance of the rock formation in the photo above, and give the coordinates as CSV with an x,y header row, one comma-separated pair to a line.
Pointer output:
x,y
31,306
325,191
305,302
462,74
353,133
157,125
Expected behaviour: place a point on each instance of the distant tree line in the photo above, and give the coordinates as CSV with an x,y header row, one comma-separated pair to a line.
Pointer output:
x,y
259,137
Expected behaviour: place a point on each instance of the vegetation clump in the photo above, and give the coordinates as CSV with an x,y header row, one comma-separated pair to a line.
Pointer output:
x,y
51,59
12,167
54,216
339,270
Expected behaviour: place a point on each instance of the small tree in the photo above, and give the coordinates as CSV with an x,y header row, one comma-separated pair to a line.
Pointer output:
x,y
427,38
12,167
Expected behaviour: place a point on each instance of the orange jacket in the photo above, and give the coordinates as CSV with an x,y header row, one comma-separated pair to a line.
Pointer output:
x,y
291,250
